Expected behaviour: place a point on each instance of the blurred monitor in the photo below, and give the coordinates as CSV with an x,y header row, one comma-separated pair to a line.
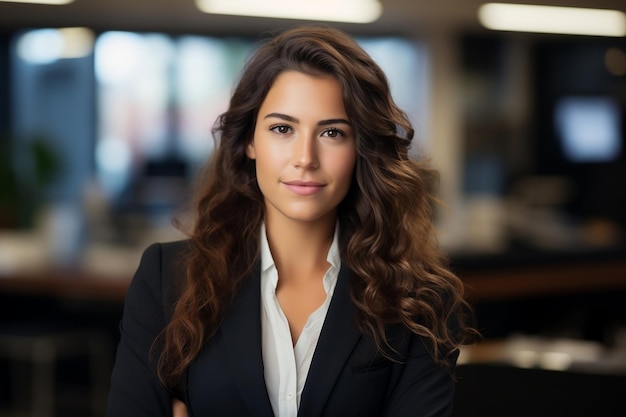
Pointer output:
x,y
589,128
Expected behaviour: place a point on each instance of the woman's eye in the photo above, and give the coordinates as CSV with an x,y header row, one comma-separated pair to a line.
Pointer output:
x,y
282,129
333,133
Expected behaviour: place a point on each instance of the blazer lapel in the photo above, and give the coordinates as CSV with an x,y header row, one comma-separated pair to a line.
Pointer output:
x,y
241,331
337,340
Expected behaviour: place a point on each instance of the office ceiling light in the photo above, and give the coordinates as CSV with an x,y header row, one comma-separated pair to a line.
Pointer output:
x,y
550,19
352,11
54,2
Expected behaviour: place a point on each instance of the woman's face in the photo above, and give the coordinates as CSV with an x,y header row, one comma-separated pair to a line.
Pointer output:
x,y
304,148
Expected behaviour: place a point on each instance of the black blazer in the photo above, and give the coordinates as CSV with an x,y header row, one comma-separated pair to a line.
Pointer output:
x,y
347,376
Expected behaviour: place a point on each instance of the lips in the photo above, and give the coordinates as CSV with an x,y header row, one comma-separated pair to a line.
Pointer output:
x,y
303,187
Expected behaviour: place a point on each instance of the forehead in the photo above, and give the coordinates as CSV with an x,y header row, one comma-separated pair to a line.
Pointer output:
x,y
305,93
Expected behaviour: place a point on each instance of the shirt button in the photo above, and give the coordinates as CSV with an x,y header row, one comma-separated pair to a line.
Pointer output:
x,y
289,397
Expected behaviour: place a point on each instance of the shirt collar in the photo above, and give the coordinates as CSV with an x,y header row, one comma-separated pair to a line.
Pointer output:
x,y
267,261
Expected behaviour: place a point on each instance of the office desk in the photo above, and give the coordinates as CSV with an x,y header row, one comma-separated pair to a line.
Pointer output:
x,y
68,284
522,281
487,278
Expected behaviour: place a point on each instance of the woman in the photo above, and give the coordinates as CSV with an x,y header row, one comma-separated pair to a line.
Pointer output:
x,y
311,283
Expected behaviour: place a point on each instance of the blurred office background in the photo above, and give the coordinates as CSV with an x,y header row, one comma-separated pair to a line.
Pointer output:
x,y
106,109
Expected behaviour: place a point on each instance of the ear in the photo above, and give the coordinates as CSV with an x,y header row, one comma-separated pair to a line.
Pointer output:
x,y
250,151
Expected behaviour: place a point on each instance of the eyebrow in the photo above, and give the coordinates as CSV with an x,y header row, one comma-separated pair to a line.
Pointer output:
x,y
292,119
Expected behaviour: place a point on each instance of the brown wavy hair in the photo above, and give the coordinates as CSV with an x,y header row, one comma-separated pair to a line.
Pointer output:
x,y
386,233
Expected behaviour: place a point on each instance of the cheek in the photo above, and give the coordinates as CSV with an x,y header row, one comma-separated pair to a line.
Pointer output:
x,y
270,157
344,167
269,162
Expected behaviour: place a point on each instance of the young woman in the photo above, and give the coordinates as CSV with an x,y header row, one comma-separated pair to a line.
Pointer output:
x,y
311,283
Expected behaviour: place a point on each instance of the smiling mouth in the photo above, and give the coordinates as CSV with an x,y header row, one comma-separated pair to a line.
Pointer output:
x,y
303,188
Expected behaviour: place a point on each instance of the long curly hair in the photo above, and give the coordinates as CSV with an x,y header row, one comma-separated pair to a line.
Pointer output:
x,y
385,221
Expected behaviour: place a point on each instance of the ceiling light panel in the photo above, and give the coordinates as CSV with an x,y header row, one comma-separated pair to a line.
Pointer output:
x,y
551,19
352,11
53,2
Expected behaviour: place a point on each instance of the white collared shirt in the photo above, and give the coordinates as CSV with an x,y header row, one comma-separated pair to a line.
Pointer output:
x,y
286,366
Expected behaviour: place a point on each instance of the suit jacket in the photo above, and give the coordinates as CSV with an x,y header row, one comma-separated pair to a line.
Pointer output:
x,y
347,377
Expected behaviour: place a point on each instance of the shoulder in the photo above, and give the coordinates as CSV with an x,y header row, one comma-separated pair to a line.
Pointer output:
x,y
166,258
165,249
161,271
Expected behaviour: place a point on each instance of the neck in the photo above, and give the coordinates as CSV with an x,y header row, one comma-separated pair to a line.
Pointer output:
x,y
300,248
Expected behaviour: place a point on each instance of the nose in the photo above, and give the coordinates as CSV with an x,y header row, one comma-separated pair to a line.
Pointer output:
x,y
305,152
